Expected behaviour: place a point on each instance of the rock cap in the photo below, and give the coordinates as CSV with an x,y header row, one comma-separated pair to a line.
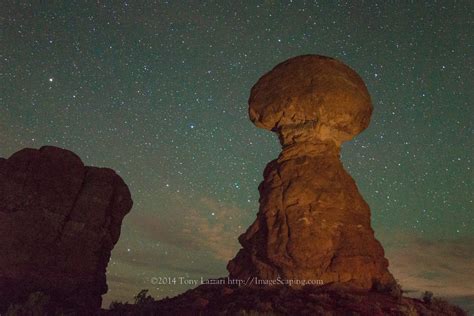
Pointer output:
x,y
311,96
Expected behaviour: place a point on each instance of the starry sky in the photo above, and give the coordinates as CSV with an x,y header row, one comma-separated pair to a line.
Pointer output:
x,y
158,90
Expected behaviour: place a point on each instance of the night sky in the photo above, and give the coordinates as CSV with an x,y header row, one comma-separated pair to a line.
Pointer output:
x,y
158,91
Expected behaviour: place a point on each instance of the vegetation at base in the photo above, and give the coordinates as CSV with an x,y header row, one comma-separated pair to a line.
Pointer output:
x,y
393,288
38,304
427,297
275,300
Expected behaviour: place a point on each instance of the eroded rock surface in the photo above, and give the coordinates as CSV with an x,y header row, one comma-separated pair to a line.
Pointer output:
x,y
312,224
59,221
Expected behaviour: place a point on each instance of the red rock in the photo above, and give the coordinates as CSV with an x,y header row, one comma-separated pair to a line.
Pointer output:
x,y
227,291
200,303
59,221
312,224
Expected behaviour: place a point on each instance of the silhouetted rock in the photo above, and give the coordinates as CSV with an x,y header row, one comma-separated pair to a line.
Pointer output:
x,y
59,221
313,224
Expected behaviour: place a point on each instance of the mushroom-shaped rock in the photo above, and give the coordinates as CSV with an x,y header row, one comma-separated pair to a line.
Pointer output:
x,y
311,96
313,225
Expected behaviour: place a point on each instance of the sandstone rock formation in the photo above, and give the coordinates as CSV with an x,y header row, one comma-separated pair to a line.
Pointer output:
x,y
59,221
312,224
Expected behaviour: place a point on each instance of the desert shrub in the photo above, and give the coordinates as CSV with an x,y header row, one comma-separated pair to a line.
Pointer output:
x,y
115,305
392,288
118,307
427,297
142,298
395,290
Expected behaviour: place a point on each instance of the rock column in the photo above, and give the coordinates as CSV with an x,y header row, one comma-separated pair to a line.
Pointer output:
x,y
313,223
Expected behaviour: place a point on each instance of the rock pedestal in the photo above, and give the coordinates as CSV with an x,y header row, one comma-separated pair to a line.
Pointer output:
x,y
59,221
312,224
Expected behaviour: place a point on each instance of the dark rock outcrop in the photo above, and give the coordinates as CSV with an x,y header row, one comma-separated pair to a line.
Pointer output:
x,y
59,221
312,224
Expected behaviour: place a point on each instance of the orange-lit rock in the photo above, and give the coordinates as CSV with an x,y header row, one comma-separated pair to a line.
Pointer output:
x,y
312,224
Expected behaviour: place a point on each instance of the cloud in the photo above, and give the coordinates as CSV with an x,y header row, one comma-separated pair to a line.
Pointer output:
x,y
198,238
204,226
184,239
442,266
218,232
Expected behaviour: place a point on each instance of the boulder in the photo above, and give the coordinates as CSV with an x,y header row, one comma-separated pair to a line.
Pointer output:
x,y
59,221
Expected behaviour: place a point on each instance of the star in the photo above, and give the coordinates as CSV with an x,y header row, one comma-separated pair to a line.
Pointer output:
x,y
163,102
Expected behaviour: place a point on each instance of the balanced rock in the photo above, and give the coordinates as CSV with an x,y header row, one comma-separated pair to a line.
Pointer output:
x,y
59,221
313,223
